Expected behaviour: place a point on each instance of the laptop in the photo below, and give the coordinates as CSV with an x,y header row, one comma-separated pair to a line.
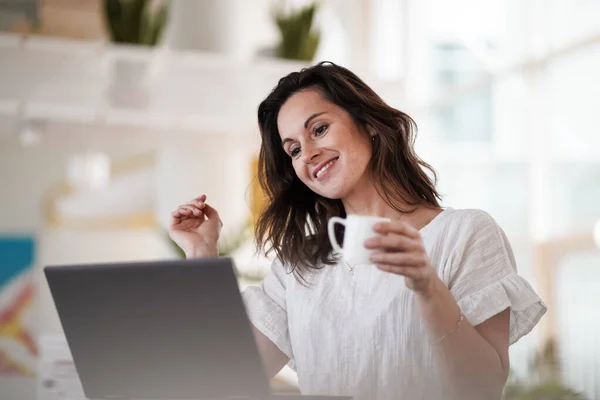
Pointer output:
x,y
160,330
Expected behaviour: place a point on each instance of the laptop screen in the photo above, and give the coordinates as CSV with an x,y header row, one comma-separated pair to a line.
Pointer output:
x,y
169,329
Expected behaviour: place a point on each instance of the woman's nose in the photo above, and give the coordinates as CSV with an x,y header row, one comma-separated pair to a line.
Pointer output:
x,y
309,153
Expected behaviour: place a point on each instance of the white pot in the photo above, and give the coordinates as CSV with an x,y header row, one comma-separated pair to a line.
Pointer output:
x,y
129,85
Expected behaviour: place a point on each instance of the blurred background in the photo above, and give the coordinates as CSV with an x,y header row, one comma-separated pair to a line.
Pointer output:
x,y
112,113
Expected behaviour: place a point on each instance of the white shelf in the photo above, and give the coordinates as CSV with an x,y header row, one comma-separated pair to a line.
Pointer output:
x,y
97,83
70,81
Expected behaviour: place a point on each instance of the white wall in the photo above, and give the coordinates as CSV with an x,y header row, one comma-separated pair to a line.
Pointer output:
x,y
218,168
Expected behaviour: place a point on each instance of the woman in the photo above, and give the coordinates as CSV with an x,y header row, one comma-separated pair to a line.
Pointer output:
x,y
432,318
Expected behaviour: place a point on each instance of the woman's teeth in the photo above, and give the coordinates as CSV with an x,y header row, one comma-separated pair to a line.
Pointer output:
x,y
325,167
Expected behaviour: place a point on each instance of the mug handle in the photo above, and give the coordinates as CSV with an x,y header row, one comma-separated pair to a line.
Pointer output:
x,y
331,232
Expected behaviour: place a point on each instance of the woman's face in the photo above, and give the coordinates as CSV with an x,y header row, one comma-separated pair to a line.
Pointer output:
x,y
329,151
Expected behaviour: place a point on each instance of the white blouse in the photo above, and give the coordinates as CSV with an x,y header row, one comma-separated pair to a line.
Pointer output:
x,y
359,332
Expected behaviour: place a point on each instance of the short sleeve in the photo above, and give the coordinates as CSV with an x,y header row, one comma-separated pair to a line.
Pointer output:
x,y
484,279
266,308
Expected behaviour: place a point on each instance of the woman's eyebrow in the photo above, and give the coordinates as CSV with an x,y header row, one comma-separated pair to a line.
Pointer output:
x,y
315,115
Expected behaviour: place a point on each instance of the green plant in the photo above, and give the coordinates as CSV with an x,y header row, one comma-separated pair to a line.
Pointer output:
x,y
229,244
136,21
298,39
543,382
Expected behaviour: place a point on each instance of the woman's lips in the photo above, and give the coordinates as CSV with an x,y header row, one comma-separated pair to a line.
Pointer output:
x,y
324,169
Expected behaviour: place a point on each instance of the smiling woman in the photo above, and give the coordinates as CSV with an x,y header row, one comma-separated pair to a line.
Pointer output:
x,y
433,314
327,136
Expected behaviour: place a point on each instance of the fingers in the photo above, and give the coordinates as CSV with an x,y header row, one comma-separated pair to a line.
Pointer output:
x,y
174,220
409,272
197,203
187,211
210,212
193,208
398,259
410,265
393,242
398,250
399,227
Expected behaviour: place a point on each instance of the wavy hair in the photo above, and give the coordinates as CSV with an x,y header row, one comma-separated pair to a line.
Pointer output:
x,y
293,224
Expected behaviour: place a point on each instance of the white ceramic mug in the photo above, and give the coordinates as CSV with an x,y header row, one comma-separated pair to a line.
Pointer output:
x,y
358,228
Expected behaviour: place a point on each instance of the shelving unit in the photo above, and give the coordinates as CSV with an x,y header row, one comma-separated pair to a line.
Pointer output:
x,y
59,80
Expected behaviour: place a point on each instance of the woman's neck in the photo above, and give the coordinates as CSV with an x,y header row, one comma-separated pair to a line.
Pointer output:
x,y
369,202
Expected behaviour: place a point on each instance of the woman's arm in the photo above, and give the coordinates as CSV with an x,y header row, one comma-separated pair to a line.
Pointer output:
x,y
273,358
474,359
266,306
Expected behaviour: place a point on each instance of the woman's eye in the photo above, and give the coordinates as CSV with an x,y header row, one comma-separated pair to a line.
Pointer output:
x,y
295,151
320,130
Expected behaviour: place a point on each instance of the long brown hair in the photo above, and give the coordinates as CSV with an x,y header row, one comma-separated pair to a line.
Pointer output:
x,y
294,221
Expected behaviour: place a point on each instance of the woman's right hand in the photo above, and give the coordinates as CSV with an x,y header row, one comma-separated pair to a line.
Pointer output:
x,y
195,227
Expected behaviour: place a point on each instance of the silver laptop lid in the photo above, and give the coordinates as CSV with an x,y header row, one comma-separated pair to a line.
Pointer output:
x,y
158,330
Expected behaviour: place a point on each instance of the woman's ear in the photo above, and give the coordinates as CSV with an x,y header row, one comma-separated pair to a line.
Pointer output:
x,y
371,131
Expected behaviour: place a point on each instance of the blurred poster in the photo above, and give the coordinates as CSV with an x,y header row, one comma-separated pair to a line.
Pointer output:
x,y
18,350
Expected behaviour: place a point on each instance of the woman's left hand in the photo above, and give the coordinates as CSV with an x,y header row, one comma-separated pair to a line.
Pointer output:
x,y
399,249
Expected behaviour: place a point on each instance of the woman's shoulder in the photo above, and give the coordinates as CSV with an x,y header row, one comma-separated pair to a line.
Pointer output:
x,y
454,224
468,217
464,236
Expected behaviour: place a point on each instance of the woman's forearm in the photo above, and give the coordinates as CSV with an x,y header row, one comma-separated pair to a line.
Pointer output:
x,y
471,365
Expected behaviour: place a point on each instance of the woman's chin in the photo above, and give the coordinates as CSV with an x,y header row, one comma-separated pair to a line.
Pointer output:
x,y
331,194
331,189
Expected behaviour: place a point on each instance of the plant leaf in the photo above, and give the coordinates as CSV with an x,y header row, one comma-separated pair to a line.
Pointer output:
x,y
298,40
113,14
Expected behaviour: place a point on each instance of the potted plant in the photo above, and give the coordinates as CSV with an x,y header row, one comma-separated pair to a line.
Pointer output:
x,y
544,381
137,23
299,39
